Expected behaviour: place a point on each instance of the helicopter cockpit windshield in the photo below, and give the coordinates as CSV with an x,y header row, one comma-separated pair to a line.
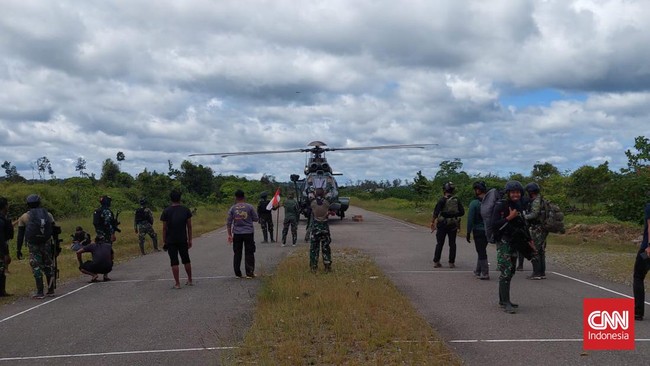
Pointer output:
x,y
321,180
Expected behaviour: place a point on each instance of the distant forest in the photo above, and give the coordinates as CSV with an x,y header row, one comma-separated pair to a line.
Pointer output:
x,y
590,190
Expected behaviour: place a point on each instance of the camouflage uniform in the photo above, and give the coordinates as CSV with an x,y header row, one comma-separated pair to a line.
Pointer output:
x,y
506,261
320,235
538,235
103,222
265,219
291,212
40,257
144,228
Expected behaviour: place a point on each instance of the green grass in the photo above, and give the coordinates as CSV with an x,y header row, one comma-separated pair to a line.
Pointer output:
x,y
20,281
352,316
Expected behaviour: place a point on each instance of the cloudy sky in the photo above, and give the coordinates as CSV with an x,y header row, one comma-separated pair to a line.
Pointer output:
x,y
499,84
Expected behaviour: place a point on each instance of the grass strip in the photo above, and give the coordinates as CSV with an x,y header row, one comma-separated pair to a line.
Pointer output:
x,y
351,316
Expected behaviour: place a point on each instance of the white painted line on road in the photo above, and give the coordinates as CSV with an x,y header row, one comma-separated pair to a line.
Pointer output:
x,y
116,353
170,279
398,221
46,302
527,340
596,286
434,271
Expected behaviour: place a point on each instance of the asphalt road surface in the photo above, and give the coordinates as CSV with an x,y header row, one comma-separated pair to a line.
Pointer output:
x,y
137,319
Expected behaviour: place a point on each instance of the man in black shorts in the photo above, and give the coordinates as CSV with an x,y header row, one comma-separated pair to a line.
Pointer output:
x,y
102,260
177,236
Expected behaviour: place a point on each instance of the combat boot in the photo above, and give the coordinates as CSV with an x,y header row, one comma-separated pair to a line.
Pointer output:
x,y
477,271
504,297
295,239
154,240
265,235
3,284
39,289
484,270
50,285
328,268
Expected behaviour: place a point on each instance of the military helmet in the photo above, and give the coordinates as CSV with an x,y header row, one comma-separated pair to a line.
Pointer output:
x,y
448,187
480,185
264,194
105,200
143,201
532,187
514,185
33,199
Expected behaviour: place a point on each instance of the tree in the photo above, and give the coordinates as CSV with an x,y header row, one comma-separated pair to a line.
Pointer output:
x,y
587,183
43,165
421,186
110,171
541,172
11,172
641,158
120,156
81,166
196,178
449,170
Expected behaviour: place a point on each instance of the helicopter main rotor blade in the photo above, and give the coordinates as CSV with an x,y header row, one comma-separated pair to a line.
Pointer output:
x,y
227,154
403,146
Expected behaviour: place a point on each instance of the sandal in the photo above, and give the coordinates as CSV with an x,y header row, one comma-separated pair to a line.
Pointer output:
x,y
94,279
189,283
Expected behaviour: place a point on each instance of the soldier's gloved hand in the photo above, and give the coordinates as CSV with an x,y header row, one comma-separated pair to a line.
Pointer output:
x,y
19,255
469,237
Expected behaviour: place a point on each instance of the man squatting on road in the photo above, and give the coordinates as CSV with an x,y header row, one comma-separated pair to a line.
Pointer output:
x,y
102,259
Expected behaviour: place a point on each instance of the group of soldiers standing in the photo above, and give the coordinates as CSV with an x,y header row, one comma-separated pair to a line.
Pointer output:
x,y
515,225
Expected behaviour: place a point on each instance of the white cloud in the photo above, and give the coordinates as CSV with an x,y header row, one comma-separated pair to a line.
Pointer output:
x,y
161,80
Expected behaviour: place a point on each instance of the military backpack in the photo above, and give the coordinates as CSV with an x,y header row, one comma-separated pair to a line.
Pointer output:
x,y
552,218
450,212
39,227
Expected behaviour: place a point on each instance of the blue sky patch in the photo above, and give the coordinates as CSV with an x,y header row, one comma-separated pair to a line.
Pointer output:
x,y
538,98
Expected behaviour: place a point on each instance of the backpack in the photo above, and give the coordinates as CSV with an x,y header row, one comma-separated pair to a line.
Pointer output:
x,y
39,227
451,208
142,216
492,197
552,218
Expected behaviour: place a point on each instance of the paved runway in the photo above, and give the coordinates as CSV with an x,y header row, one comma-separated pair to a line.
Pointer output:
x,y
137,319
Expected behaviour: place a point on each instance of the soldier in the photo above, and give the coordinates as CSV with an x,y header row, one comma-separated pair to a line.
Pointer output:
x,y
6,233
446,219
265,217
35,227
291,215
320,231
241,234
537,232
104,220
512,235
143,224
476,226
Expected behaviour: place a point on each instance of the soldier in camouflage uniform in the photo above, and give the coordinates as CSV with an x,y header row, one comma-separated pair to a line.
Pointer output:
x,y
538,234
40,254
512,235
291,215
104,220
320,231
143,224
265,217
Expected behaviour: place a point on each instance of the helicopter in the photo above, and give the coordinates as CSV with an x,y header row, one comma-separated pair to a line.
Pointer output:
x,y
318,172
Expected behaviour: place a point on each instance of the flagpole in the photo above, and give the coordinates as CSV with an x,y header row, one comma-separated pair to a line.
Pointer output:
x,y
277,223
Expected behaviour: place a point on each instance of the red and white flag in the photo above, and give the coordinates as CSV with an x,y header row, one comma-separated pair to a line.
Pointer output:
x,y
275,201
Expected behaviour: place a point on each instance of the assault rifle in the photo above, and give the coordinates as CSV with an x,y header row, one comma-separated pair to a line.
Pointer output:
x,y
115,222
56,250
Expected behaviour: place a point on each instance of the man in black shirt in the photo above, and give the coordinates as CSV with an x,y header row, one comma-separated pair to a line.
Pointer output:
x,y
446,219
177,236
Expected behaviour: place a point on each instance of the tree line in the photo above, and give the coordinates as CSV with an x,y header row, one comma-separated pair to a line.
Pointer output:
x,y
589,190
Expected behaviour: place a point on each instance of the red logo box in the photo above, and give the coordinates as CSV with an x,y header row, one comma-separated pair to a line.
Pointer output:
x,y
608,324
